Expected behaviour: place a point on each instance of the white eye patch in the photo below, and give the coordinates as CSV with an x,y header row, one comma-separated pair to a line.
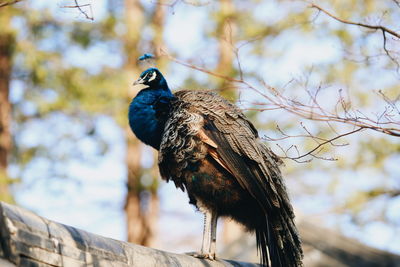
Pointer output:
x,y
153,76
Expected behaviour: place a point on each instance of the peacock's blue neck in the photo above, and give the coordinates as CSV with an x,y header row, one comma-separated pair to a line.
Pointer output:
x,y
144,118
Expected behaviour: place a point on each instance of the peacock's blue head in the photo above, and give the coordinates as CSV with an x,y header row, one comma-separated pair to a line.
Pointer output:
x,y
153,79
147,110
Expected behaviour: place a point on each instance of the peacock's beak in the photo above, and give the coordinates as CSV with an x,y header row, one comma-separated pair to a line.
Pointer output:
x,y
139,85
138,81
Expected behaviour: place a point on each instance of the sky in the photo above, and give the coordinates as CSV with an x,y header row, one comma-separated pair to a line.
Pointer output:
x,y
80,199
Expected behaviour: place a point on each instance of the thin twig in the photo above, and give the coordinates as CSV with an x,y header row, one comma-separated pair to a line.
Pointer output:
x,y
323,143
388,54
80,8
75,6
308,135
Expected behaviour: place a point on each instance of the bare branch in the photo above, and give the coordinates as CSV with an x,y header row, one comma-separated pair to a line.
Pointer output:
x,y
81,9
277,101
308,135
373,27
391,103
310,153
200,69
383,29
9,3
387,52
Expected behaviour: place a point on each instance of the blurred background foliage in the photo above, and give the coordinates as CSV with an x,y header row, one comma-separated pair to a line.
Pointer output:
x,y
69,87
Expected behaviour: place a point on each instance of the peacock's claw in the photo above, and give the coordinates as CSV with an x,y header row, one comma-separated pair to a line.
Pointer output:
x,y
199,255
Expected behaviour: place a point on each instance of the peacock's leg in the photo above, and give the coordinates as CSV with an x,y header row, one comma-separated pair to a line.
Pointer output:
x,y
209,235
208,246
213,246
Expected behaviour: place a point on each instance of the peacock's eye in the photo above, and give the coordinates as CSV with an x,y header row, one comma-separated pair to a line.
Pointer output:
x,y
153,76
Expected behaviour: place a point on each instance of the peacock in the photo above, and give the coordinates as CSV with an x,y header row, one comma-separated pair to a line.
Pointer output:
x,y
209,149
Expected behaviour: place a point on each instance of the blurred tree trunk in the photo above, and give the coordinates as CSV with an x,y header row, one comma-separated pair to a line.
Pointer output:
x,y
226,28
137,230
158,28
157,24
142,202
7,43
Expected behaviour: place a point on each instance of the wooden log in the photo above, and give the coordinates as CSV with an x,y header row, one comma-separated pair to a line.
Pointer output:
x,y
27,239
328,248
322,248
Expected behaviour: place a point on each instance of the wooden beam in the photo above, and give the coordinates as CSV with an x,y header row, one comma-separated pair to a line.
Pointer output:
x,y
27,239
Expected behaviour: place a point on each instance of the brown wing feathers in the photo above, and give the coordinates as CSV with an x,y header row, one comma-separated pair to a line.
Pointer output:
x,y
241,168
235,146
232,141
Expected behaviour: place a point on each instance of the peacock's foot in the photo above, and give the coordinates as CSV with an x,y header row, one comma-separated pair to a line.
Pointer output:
x,y
208,256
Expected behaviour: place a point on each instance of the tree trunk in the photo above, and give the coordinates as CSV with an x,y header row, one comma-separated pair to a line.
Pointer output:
x,y
142,203
7,43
